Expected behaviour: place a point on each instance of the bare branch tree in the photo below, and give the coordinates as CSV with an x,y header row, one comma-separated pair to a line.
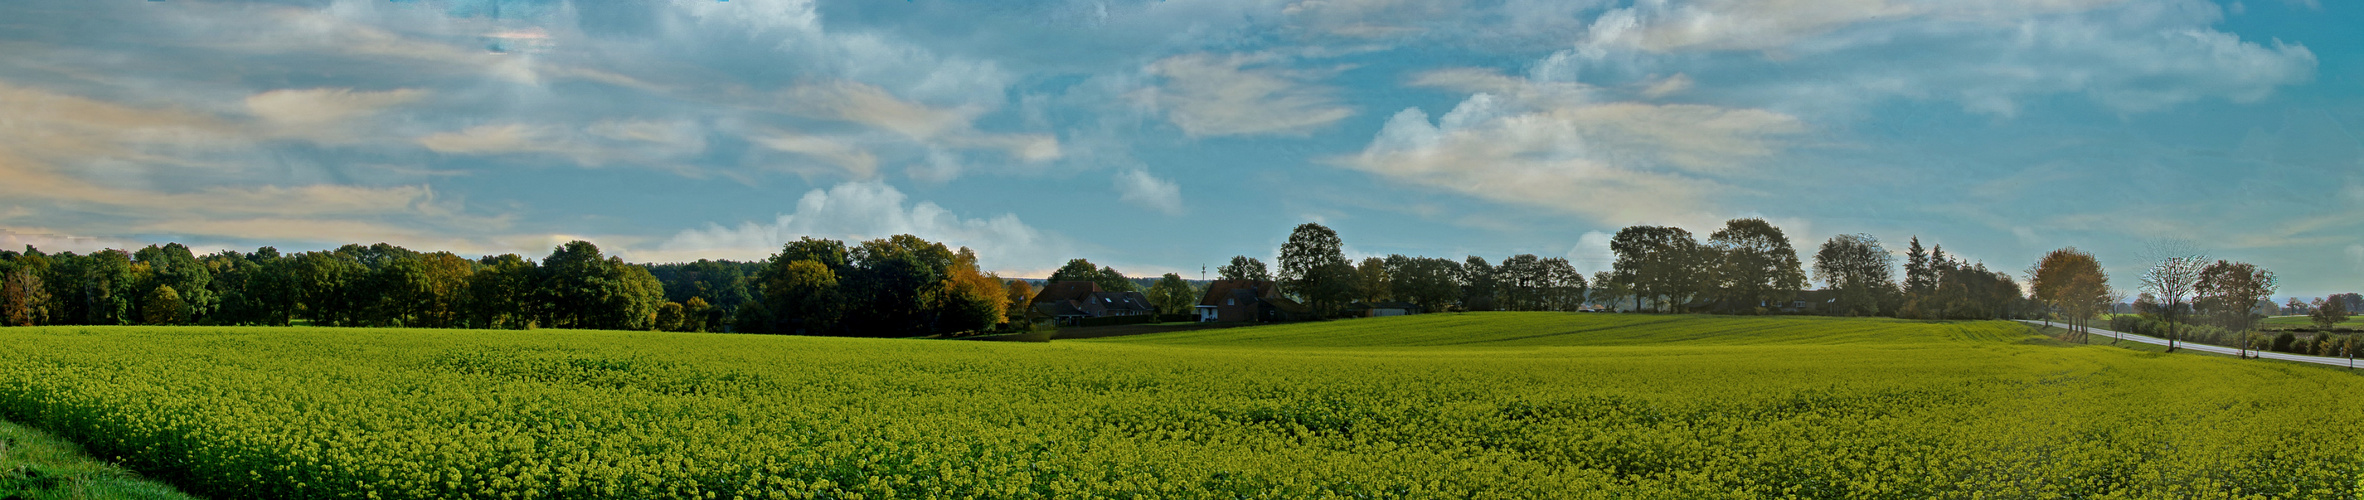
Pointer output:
x,y
2174,272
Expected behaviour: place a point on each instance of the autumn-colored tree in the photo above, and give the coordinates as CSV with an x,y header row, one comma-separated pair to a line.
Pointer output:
x,y
974,300
1020,294
2073,284
24,301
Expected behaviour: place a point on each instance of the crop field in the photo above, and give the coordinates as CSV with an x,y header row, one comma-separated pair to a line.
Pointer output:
x,y
2354,322
1487,405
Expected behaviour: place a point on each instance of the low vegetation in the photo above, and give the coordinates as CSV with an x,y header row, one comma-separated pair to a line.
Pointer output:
x,y
1483,405
37,466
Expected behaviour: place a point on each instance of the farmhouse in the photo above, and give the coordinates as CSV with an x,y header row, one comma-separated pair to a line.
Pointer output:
x,y
1245,301
1068,301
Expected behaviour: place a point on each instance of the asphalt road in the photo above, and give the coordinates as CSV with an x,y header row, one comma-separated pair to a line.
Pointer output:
x,y
2320,360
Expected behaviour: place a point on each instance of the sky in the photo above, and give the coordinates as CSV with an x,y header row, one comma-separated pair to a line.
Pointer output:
x,y
1169,136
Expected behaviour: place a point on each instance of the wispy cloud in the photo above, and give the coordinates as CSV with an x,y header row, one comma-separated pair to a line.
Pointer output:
x,y
1210,95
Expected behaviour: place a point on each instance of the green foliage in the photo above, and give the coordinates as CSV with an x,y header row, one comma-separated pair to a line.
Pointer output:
x,y
1314,268
1172,295
1755,266
1855,266
1107,277
163,306
1661,264
1493,405
37,466
1243,267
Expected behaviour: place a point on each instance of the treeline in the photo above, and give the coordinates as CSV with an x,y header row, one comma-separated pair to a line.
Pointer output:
x,y
897,286
1746,267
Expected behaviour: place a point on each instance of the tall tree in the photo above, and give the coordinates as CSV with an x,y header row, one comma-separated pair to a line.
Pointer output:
x,y
501,294
1173,295
895,290
2174,272
802,295
2073,284
973,300
1107,277
1660,263
173,265
324,284
1607,291
24,300
1478,285
1021,296
2228,292
1760,268
1371,283
1243,267
1427,281
1313,266
1858,270
1919,278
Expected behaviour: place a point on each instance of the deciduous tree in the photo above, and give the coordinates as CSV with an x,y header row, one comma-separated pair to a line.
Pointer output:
x,y
2229,291
2073,284
1857,269
1313,266
1243,267
1759,267
1661,263
2174,271
1173,295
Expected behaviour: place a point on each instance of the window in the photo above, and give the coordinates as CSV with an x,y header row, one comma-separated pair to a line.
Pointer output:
x,y
1231,302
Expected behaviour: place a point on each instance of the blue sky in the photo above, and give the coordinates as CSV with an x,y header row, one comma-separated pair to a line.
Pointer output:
x,y
1163,136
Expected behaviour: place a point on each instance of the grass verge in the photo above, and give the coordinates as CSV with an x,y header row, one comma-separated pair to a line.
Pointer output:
x,y
37,466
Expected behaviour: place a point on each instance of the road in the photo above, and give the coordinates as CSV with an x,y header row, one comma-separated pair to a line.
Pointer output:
x,y
2320,360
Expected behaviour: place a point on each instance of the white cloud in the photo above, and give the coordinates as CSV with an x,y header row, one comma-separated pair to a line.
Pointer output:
x,y
1139,188
1592,254
1543,144
50,241
492,139
934,127
1208,95
324,115
860,211
1990,57
851,161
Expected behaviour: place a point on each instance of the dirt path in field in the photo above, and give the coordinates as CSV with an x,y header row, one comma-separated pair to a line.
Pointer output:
x,y
2228,351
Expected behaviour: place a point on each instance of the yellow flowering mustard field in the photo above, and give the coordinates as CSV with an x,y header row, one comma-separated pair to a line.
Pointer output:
x,y
1484,405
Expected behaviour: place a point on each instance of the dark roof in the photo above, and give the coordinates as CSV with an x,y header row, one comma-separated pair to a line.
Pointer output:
x,y
1284,304
1058,309
1066,291
1122,301
1220,289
